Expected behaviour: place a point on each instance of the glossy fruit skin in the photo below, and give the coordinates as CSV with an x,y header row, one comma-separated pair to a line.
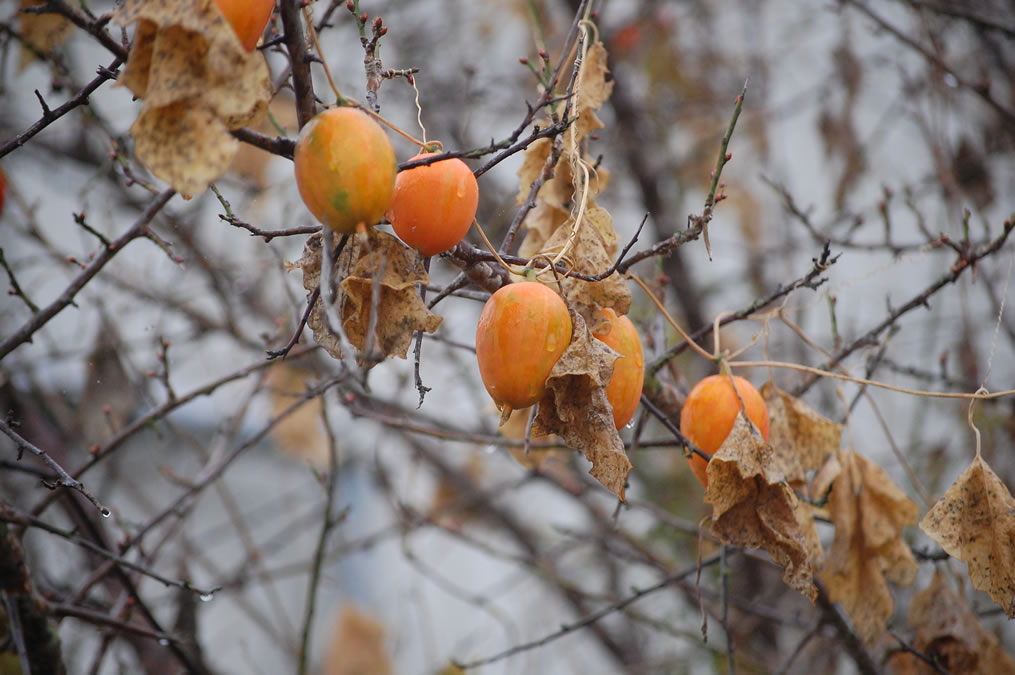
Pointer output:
x,y
248,18
434,205
710,411
345,169
523,329
624,389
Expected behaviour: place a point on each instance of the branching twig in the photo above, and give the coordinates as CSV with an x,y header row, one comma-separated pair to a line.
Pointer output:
x,y
39,319
65,480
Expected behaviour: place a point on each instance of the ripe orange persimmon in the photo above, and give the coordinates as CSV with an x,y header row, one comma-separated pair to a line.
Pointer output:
x,y
434,205
522,331
345,169
248,18
624,390
710,411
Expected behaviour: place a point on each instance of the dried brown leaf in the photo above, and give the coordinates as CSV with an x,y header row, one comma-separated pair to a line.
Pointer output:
x,y
187,64
590,257
975,522
184,145
577,410
534,159
802,438
950,632
595,89
357,646
869,512
541,222
310,264
41,33
750,509
401,311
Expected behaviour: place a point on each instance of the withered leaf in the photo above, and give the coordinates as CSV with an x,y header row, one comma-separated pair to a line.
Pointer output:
x,y
188,66
533,163
357,646
589,255
541,222
577,410
950,632
869,512
802,438
310,264
400,312
185,145
750,510
40,33
595,90
975,522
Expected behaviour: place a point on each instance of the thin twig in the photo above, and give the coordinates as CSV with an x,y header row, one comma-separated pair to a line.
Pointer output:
x,y
65,480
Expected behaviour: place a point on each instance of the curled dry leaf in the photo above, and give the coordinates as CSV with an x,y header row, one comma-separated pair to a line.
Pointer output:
x,y
975,522
751,509
185,146
357,646
197,83
400,310
869,512
948,631
577,410
590,257
801,437
40,33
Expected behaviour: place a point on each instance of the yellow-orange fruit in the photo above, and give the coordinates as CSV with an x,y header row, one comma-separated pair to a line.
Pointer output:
x,y
345,169
434,205
624,390
710,411
248,18
522,331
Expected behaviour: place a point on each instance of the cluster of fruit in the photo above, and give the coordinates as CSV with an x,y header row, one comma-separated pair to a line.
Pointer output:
x,y
348,177
523,330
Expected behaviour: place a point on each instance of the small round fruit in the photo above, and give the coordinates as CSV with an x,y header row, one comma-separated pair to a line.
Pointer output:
x,y
434,205
522,331
624,390
248,18
710,411
345,169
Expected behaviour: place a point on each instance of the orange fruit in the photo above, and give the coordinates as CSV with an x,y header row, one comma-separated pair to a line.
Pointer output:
x,y
345,169
434,205
523,329
710,411
624,389
248,18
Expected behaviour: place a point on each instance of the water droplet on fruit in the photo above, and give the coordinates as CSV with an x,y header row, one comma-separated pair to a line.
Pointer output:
x,y
105,512
206,597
